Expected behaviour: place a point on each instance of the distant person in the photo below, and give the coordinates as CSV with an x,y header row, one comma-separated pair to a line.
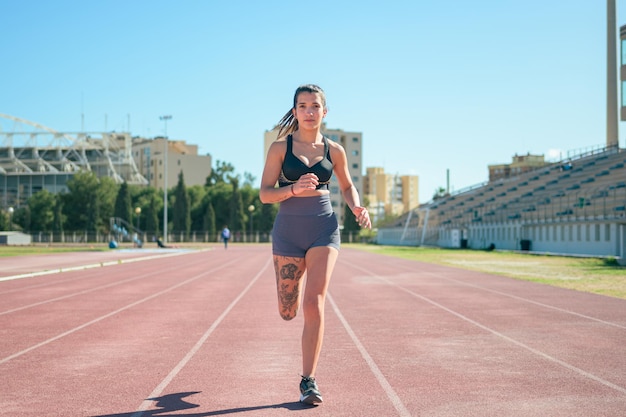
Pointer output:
x,y
160,244
305,237
225,236
137,243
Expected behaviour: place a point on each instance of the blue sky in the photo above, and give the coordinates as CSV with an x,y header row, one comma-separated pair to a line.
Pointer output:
x,y
432,85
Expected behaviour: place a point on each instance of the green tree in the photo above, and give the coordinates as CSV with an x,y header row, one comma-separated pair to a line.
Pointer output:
x,y
208,223
81,201
237,216
123,204
107,190
89,203
440,193
150,200
197,194
152,217
222,173
265,221
349,220
21,219
250,197
248,179
41,206
59,218
220,196
182,210
4,220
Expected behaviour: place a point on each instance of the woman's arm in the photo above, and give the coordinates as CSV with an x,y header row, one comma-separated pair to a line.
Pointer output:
x,y
268,192
348,190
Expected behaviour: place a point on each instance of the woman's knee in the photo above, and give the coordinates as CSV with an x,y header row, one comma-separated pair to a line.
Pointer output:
x,y
313,307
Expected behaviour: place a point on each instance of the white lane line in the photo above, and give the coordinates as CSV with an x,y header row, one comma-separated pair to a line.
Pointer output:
x,y
89,266
176,370
548,306
112,284
47,283
501,335
562,310
386,386
106,316
520,344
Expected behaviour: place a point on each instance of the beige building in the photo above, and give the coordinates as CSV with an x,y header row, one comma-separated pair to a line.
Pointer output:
x,y
519,165
390,195
148,155
352,142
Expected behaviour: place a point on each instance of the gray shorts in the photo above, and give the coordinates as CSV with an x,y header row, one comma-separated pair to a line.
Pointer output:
x,y
303,223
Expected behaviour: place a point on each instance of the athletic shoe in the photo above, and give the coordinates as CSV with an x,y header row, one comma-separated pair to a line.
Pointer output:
x,y
309,393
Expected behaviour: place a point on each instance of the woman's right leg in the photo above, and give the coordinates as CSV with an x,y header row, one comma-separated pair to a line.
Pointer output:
x,y
289,272
321,262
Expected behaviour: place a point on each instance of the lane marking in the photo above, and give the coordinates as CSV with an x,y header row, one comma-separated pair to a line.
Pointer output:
x,y
49,283
175,371
548,306
89,266
386,386
501,335
86,291
112,313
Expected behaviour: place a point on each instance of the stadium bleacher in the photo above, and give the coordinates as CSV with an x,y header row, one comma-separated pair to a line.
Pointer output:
x,y
589,187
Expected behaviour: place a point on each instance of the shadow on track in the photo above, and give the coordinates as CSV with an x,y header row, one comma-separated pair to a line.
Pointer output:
x,y
175,402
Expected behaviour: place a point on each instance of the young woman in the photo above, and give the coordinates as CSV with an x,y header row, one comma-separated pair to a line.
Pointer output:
x,y
305,237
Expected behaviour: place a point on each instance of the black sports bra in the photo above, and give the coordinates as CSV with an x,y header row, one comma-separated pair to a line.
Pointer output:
x,y
294,168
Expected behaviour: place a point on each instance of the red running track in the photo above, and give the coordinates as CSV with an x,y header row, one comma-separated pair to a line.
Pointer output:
x,y
198,334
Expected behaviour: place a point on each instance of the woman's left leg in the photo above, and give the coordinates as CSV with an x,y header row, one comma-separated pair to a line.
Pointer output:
x,y
320,263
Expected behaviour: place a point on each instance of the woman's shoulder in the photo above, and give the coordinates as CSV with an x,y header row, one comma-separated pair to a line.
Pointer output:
x,y
335,147
277,149
280,143
333,144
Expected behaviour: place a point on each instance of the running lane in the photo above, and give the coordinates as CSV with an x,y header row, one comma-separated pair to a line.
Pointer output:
x,y
199,335
458,343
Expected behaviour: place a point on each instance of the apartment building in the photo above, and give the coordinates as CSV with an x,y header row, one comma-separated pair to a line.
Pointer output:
x,y
520,164
388,194
181,156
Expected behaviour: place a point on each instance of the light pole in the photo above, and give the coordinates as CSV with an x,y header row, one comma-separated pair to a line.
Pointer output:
x,y
251,210
10,218
138,213
165,155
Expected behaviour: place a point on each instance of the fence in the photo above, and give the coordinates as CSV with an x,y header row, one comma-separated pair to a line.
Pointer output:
x,y
82,237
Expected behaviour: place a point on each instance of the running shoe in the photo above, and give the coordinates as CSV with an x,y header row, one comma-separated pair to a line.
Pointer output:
x,y
309,393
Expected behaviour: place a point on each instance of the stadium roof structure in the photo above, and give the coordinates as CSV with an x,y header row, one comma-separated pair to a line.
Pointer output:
x,y
29,148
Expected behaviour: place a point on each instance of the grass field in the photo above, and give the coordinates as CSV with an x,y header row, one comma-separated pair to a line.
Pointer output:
x,y
599,276
41,249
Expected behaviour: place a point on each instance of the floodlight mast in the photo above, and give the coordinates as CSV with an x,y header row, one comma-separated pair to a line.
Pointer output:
x,y
165,157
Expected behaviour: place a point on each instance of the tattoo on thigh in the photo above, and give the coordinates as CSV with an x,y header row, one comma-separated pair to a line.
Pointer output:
x,y
290,271
288,297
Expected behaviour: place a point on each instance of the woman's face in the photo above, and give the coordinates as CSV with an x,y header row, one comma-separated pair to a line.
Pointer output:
x,y
309,111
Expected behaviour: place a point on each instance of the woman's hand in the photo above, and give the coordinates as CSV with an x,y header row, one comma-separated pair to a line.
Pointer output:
x,y
362,216
305,182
